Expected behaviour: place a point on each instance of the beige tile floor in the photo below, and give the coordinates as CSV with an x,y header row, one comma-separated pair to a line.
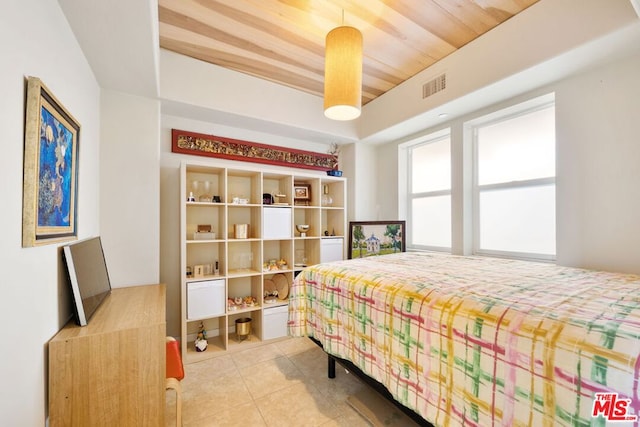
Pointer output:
x,y
280,384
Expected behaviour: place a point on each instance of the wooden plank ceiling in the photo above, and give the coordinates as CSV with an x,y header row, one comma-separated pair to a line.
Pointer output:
x,y
283,40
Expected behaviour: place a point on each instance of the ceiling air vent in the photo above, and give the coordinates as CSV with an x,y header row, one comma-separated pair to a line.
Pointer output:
x,y
434,86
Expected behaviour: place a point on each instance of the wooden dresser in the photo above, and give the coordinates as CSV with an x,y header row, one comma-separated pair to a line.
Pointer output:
x,y
112,371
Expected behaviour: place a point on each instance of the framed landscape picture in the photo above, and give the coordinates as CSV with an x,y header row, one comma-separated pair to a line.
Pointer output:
x,y
50,182
373,238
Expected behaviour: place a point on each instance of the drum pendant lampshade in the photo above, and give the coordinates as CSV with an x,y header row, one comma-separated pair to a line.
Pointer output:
x,y
343,74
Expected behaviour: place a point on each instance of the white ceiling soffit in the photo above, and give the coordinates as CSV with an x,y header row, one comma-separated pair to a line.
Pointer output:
x,y
547,42
193,89
225,118
623,43
119,38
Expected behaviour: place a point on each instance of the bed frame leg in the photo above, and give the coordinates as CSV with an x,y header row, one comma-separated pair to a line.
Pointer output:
x,y
331,366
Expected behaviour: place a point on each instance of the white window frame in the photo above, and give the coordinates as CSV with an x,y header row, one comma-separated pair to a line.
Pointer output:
x,y
497,117
407,184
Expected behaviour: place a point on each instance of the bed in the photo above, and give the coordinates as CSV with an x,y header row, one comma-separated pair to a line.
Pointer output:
x,y
480,341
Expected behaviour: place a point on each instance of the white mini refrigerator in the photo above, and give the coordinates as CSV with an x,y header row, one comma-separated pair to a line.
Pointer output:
x,y
205,299
274,322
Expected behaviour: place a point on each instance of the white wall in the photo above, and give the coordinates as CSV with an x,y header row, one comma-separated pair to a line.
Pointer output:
x,y
34,302
130,188
170,194
598,178
199,88
387,181
359,162
598,154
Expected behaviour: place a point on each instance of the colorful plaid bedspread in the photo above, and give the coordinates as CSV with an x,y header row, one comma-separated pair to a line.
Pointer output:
x,y
479,341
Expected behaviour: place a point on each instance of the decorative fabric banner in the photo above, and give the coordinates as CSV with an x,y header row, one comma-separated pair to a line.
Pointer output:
x,y
234,149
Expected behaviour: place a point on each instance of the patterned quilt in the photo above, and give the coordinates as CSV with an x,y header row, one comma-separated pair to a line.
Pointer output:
x,y
480,341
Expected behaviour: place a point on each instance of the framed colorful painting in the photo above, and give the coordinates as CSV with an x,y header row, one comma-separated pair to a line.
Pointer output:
x,y
372,238
50,181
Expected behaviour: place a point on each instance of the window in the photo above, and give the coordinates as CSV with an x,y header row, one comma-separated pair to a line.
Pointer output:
x,y
429,193
514,188
496,171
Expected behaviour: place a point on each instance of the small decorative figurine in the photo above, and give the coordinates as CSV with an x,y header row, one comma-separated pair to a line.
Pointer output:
x,y
201,339
334,151
270,296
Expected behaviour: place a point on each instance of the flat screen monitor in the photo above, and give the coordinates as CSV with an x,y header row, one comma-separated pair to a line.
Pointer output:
x,y
88,276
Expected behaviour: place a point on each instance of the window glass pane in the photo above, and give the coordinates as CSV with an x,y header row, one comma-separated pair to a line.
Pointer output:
x,y
517,149
431,167
431,221
519,220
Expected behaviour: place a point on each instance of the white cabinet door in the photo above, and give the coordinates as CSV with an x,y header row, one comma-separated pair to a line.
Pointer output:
x,y
275,322
331,249
206,299
276,223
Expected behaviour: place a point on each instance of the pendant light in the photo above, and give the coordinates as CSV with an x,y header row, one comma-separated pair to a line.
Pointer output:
x,y
343,73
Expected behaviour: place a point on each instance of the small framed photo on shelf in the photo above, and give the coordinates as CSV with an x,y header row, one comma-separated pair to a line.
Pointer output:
x,y
302,194
371,238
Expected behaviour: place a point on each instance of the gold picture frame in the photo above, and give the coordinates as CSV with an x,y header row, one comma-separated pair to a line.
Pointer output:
x,y
50,181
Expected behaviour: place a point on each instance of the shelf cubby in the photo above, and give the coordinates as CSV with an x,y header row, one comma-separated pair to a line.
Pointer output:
x,y
244,185
256,327
205,253
309,216
308,249
204,183
244,214
244,257
333,222
216,337
240,287
277,184
335,190
277,250
211,214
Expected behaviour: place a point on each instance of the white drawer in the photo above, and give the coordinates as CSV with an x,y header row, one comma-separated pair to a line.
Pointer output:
x,y
276,223
205,299
274,322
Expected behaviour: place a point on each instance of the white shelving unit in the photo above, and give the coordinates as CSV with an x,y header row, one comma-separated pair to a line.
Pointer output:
x,y
245,237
